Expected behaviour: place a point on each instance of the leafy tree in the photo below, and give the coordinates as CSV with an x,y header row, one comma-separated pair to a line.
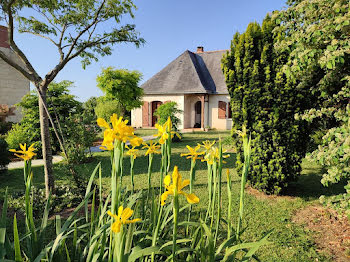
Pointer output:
x,y
122,86
77,28
89,110
265,101
105,108
61,105
319,35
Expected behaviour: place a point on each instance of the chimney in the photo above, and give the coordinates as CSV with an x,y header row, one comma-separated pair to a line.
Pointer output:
x,y
200,49
4,37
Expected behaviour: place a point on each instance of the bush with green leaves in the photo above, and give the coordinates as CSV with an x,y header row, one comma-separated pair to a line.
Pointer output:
x,y
23,133
4,156
105,108
73,125
265,100
166,110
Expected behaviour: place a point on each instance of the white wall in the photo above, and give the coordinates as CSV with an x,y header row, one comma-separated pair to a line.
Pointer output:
x,y
136,114
13,85
214,121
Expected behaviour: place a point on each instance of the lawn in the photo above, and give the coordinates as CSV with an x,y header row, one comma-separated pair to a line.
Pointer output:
x,y
289,242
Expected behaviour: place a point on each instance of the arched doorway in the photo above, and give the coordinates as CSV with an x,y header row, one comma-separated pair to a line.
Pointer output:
x,y
198,114
155,105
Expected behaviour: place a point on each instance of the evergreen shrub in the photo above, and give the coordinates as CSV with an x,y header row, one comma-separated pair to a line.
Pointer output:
x,y
265,100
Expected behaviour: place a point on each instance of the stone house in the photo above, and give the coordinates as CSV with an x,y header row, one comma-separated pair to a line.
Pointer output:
x,y
13,85
196,83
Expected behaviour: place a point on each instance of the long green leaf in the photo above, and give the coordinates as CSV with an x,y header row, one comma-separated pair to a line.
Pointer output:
x,y
18,257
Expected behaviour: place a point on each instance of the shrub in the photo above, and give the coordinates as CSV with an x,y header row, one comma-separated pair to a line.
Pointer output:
x,y
5,127
65,197
105,108
4,156
23,133
265,100
167,110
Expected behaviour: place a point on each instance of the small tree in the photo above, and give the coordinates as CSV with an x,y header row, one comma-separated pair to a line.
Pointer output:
x,y
77,28
167,110
105,108
122,86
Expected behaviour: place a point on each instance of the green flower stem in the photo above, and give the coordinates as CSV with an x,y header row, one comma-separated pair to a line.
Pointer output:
x,y
219,191
214,192
116,156
210,189
132,161
176,211
156,231
247,150
192,178
229,194
149,173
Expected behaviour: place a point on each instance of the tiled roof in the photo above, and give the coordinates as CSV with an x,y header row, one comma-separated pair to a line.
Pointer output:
x,y
190,73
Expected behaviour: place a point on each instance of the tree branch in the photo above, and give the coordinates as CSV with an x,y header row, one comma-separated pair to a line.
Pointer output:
x,y
12,63
15,48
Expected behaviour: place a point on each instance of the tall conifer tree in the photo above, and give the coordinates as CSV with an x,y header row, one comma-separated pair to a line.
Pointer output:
x,y
265,101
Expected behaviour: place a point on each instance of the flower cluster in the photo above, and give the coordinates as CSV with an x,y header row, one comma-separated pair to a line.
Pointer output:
x,y
164,131
119,131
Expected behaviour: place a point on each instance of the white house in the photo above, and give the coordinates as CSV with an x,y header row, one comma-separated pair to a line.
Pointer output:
x,y
13,85
196,83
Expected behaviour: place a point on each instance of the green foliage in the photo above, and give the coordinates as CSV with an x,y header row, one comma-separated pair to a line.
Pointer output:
x,y
320,59
4,155
68,114
265,101
89,109
105,108
166,110
80,28
122,86
5,127
65,196
23,133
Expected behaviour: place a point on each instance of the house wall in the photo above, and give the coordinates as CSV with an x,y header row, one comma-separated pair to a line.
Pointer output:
x,y
136,114
189,116
214,121
13,85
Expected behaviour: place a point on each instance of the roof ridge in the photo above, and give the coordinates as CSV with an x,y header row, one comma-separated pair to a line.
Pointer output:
x,y
213,51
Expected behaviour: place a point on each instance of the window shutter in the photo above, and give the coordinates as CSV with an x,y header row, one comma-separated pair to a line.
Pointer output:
x,y
222,110
145,114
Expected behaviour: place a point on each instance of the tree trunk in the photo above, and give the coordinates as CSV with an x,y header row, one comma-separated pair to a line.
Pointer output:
x,y
46,144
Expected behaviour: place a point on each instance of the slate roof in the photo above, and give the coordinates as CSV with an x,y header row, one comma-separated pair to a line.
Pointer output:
x,y
190,73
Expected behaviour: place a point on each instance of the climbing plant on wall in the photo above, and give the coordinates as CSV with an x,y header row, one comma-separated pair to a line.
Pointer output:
x,y
265,101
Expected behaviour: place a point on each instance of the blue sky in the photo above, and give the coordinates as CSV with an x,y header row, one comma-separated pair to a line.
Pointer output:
x,y
169,28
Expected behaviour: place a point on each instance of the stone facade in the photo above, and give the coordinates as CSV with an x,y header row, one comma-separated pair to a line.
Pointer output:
x,y
13,85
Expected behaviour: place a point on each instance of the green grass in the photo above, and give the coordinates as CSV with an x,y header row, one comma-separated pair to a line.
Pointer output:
x,y
290,242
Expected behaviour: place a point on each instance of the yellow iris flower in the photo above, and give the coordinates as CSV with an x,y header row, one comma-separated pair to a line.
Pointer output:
x,y
164,131
194,154
122,218
119,131
133,152
25,154
207,145
136,141
152,148
177,187
213,155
